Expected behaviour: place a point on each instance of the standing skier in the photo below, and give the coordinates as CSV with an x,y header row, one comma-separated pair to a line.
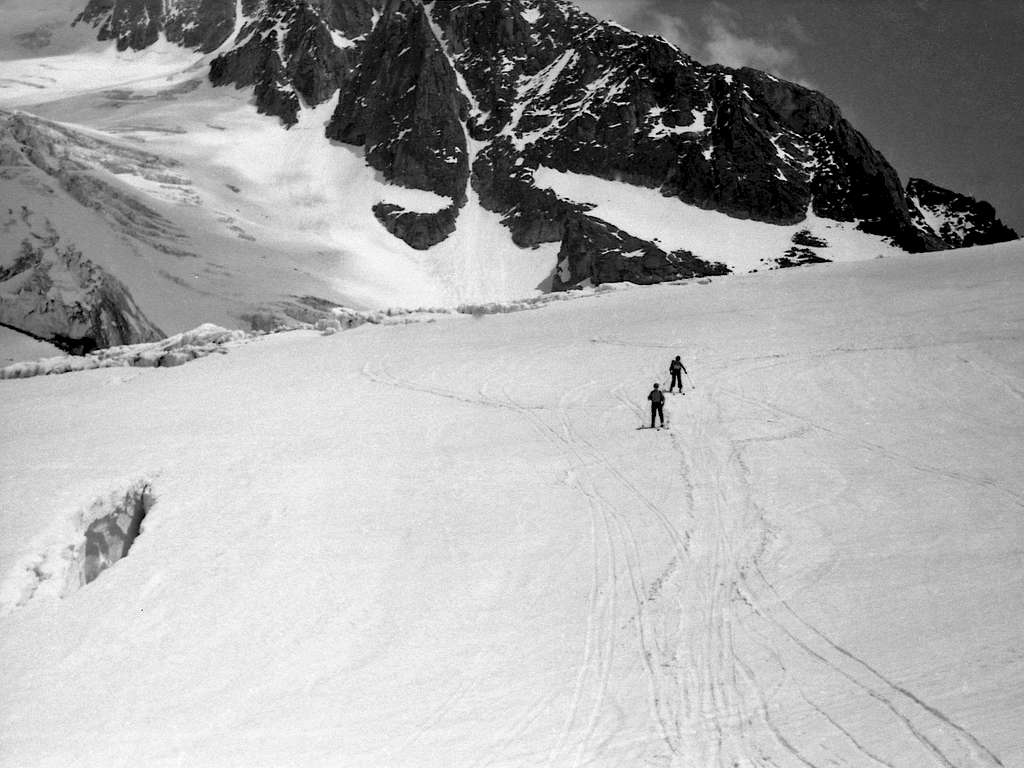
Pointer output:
x,y
676,368
657,398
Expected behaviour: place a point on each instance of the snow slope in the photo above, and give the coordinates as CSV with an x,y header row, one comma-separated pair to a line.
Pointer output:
x,y
264,218
447,543
16,346
742,245
260,225
41,34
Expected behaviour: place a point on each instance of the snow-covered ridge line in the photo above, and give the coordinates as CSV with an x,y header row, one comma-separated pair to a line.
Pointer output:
x,y
211,339
173,351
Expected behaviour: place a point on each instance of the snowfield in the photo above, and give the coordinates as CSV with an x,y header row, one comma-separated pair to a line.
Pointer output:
x,y
447,543
254,219
740,244
16,347
208,212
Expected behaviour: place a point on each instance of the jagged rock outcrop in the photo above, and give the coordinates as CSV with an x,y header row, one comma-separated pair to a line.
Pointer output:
x,y
469,99
548,86
404,105
608,255
960,220
808,239
419,230
52,292
284,49
199,24
48,288
807,249
288,52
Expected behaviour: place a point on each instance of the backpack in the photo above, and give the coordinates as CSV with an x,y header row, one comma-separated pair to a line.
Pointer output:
x,y
657,397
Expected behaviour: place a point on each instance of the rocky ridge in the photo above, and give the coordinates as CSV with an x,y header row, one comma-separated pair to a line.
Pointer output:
x,y
48,287
960,220
68,300
469,98
199,24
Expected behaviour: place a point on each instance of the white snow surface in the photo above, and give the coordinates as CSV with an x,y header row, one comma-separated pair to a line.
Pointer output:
x,y
742,245
81,65
447,543
174,350
271,215
263,223
16,346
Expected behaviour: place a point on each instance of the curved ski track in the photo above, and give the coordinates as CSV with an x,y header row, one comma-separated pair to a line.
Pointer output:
x,y
730,672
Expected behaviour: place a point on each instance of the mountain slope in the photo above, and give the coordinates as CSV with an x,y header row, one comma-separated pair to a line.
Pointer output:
x,y
169,230
425,153
960,220
448,544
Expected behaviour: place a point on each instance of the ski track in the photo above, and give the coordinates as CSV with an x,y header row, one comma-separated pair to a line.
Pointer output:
x,y
727,661
614,560
881,450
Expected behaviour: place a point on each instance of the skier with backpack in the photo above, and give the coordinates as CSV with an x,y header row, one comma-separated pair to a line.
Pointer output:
x,y
676,368
657,398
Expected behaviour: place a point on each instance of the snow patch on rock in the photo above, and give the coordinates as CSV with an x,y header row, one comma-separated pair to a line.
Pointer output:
x,y
742,245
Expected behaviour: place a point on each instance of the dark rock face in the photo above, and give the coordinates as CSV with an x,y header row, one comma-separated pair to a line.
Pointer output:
x,y
797,257
353,18
550,87
52,292
960,221
200,24
806,250
295,51
404,105
420,230
472,97
285,49
133,24
606,254
809,240
287,52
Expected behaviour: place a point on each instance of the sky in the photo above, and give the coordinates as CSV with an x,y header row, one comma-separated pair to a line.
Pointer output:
x,y
936,85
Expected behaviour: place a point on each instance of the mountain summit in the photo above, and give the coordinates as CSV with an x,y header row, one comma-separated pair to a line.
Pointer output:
x,y
449,96
616,152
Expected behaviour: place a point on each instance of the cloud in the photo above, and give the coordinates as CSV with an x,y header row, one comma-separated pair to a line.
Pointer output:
x,y
615,10
644,16
792,25
650,18
713,32
725,44
676,30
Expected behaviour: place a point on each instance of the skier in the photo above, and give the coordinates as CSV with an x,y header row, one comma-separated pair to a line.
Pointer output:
x,y
676,368
657,398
